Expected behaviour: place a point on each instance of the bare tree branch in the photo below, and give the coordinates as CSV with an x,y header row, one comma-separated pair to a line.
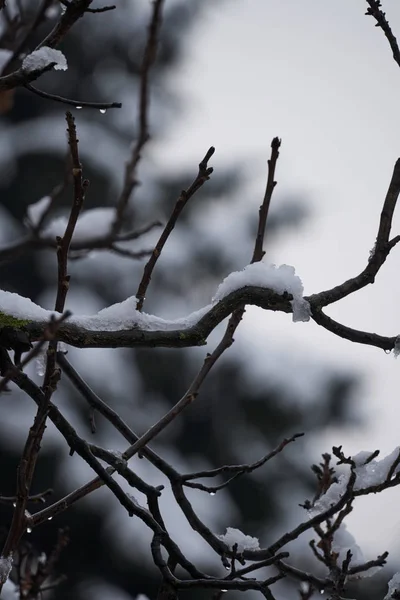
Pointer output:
x,y
375,11
149,58
202,176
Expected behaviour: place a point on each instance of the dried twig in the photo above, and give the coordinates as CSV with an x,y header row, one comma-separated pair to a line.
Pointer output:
x,y
63,244
375,11
379,255
234,470
103,106
149,58
264,208
31,450
36,498
202,176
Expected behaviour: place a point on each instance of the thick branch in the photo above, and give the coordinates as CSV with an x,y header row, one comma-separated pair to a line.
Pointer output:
x,y
196,335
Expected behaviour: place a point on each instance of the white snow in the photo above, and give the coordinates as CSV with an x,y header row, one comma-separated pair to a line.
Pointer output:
x,y
376,471
35,211
22,308
92,224
120,316
393,586
42,58
5,567
370,474
279,279
235,536
123,315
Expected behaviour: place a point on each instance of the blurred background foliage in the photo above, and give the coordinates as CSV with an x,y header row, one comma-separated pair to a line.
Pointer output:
x,y
251,400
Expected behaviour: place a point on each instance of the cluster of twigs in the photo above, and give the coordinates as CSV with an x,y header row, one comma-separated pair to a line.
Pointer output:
x,y
239,568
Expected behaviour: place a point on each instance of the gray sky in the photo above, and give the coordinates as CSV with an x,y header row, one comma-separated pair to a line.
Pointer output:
x,y
322,77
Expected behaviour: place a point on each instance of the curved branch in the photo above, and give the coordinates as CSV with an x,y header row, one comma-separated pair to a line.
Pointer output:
x,y
354,335
383,246
76,103
77,335
74,332
22,77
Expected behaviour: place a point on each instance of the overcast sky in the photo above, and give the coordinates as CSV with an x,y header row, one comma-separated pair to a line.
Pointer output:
x,y
322,77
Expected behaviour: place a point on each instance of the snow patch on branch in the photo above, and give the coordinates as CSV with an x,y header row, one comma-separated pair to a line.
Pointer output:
x,y
373,473
235,536
118,317
124,316
44,57
279,279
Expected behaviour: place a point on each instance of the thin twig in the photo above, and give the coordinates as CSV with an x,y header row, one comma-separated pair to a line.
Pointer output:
x,y
264,208
375,11
379,255
149,58
26,468
80,186
40,498
235,470
76,103
202,176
